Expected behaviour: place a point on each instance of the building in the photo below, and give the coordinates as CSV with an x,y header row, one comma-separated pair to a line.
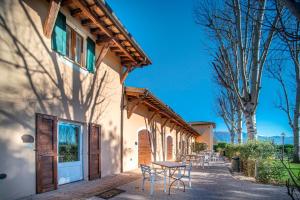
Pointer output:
x,y
206,131
159,133
64,111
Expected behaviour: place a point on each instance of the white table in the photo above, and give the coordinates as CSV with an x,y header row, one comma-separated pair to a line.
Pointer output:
x,y
171,165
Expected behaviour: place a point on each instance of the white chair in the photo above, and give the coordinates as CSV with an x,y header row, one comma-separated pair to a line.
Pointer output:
x,y
150,175
206,159
187,173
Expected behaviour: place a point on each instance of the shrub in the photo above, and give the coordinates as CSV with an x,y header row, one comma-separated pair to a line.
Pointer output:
x,y
248,167
256,150
231,150
270,171
288,150
199,146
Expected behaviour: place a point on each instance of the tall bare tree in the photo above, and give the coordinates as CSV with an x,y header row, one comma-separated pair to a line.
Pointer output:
x,y
289,97
244,36
228,106
293,6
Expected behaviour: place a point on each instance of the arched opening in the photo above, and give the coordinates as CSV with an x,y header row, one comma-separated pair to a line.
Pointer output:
x,y
169,148
144,147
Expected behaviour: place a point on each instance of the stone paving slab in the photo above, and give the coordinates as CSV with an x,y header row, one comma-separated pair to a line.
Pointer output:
x,y
212,183
86,189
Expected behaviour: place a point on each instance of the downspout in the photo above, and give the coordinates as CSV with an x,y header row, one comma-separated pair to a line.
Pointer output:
x,y
122,126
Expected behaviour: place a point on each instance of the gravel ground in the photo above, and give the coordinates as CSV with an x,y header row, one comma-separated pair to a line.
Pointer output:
x,y
213,182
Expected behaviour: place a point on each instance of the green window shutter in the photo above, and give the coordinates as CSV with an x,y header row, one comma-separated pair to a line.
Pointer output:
x,y
90,55
59,35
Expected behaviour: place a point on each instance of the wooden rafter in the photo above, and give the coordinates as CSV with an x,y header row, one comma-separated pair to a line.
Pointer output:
x,y
104,49
165,123
51,17
173,127
135,103
151,118
125,74
90,14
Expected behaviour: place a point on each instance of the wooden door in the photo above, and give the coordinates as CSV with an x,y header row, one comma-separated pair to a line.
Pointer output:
x,y
144,147
46,153
169,148
94,151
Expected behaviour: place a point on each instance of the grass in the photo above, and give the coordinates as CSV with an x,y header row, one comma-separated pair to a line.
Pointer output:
x,y
295,168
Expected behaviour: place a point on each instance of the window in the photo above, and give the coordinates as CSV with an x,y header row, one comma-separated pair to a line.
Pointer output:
x,y
68,142
67,42
74,46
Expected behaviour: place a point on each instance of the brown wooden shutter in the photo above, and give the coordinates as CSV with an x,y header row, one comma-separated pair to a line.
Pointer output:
x,y
94,151
144,148
169,148
46,153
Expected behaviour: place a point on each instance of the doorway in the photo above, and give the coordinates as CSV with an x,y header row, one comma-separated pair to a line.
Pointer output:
x,y
70,161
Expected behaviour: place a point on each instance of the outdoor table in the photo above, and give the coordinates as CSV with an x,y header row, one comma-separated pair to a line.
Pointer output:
x,y
171,165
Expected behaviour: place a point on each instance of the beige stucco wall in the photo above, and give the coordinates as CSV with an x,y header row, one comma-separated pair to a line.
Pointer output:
x,y
137,122
35,79
206,132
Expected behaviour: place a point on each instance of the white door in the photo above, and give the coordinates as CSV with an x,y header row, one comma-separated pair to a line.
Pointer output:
x,y
70,167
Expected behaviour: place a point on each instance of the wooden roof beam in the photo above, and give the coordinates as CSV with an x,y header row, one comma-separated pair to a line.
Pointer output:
x,y
87,12
136,103
51,17
173,127
66,2
152,117
76,12
165,123
86,22
125,74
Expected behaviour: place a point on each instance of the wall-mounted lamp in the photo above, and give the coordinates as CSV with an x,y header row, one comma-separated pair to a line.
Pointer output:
x,y
3,176
27,138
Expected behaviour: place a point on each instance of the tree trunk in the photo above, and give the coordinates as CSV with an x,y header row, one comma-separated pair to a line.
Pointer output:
x,y
232,137
239,126
296,116
250,119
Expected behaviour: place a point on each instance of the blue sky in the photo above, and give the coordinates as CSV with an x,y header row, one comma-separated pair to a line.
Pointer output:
x,y
181,73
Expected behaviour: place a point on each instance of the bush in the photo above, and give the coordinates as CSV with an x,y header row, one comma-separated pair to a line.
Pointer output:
x,y
257,150
199,146
270,171
232,150
248,167
288,150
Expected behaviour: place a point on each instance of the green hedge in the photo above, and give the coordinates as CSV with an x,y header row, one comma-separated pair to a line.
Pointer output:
x,y
270,171
199,146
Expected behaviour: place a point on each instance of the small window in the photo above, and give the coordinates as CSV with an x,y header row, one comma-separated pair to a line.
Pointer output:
x,y
68,142
74,46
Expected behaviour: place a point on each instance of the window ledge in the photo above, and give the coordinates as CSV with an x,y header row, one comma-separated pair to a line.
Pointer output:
x,y
70,63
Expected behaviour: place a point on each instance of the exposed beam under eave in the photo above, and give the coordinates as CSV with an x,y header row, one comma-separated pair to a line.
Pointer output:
x,y
104,50
152,117
165,123
89,13
125,74
135,105
51,17
173,127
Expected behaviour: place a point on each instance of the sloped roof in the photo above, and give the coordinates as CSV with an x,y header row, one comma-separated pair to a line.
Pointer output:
x,y
154,103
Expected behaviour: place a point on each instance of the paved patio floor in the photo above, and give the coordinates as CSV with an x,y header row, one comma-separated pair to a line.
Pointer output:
x,y
213,182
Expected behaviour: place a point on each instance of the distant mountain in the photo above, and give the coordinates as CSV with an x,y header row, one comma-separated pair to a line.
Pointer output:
x,y
223,136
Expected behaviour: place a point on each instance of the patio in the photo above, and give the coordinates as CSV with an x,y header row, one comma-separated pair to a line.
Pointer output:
x,y
213,182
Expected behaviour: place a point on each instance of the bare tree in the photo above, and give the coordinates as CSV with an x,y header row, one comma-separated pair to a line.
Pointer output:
x,y
238,31
293,6
289,96
228,106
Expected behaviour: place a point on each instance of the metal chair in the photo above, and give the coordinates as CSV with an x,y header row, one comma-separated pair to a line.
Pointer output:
x,y
187,173
150,175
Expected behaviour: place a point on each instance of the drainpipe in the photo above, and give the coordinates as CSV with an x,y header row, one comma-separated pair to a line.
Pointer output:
x,y
122,126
